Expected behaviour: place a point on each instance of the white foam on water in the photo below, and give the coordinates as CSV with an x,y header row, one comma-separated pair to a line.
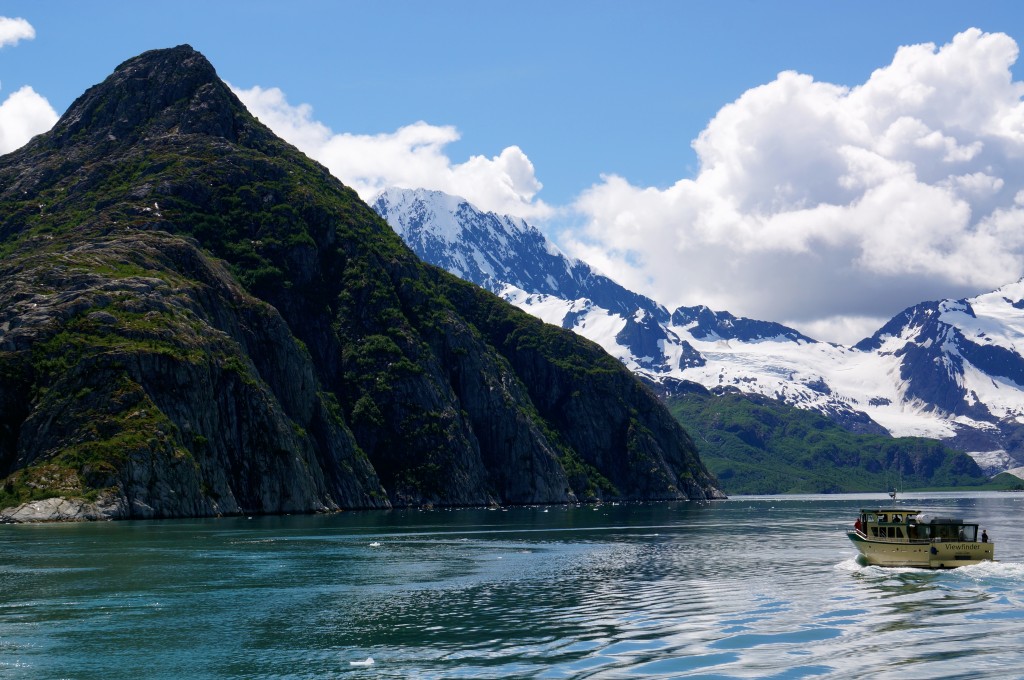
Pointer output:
x,y
992,569
999,570
853,564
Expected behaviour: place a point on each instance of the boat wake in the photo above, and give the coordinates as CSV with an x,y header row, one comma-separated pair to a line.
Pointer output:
x,y
1011,571
854,564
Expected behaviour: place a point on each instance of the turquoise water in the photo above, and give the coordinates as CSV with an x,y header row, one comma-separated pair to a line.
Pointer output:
x,y
747,588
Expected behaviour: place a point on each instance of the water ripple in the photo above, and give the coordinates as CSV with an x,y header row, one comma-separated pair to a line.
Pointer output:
x,y
751,588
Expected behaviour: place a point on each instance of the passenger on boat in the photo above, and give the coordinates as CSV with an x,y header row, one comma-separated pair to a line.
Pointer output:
x,y
984,536
857,525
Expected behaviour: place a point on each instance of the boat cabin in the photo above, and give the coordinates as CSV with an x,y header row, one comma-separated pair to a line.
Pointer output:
x,y
898,524
898,537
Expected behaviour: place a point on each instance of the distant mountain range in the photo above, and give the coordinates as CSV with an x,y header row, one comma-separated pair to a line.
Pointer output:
x,y
951,370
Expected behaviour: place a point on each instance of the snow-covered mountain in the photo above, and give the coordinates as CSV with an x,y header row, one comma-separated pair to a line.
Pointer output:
x,y
513,259
951,370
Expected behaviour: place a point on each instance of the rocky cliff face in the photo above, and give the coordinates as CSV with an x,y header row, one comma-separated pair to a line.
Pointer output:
x,y
196,319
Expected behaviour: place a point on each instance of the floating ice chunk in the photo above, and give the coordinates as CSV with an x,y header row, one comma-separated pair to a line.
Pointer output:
x,y
375,544
368,662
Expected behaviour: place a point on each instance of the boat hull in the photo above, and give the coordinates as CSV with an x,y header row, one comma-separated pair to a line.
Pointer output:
x,y
920,554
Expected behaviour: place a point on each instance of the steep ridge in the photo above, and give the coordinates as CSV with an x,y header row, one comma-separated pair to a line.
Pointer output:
x,y
950,370
496,251
512,259
961,360
196,319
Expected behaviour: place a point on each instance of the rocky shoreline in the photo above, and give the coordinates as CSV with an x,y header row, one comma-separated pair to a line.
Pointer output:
x,y
61,510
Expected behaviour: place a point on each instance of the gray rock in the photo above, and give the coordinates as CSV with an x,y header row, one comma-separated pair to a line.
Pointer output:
x,y
62,510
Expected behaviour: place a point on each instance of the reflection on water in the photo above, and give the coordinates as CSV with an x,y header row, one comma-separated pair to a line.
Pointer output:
x,y
750,587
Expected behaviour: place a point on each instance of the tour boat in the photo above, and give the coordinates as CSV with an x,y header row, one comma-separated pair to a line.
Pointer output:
x,y
897,537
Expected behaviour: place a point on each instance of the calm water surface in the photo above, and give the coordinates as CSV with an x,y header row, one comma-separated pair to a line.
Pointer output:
x,y
752,587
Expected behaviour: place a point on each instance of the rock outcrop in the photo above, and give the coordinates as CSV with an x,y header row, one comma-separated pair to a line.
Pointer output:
x,y
61,510
196,319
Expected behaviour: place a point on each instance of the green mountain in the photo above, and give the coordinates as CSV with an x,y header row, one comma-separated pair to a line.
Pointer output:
x,y
196,319
757,445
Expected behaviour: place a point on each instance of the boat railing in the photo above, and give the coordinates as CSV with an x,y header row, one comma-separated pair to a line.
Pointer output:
x,y
904,541
911,541
886,539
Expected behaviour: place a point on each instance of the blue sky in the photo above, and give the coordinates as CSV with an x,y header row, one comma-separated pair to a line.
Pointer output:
x,y
584,88
591,108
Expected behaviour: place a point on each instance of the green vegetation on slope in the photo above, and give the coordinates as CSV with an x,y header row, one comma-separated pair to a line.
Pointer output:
x,y
757,445
286,348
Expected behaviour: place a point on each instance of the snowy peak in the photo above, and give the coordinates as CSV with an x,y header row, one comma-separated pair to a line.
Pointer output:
x,y
516,261
494,251
960,363
704,324
949,369
902,328
448,231
952,351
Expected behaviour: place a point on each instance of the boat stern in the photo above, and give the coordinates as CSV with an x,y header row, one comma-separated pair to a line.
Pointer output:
x,y
959,554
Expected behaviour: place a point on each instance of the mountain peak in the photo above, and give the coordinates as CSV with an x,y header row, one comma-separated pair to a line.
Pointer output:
x,y
223,327
160,92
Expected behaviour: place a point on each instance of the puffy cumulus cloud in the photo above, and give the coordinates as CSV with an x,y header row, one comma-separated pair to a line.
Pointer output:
x,y
13,31
832,206
411,157
23,115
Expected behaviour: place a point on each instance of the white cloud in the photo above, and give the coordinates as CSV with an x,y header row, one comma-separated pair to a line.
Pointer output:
x,y
22,116
816,201
12,31
412,157
25,113
854,327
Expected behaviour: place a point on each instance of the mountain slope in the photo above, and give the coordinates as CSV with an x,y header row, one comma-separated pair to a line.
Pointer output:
x,y
758,445
960,360
196,319
510,258
950,370
496,251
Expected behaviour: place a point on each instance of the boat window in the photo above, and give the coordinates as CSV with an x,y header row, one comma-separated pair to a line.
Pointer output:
x,y
897,519
872,517
947,532
874,531
883,518
969,532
